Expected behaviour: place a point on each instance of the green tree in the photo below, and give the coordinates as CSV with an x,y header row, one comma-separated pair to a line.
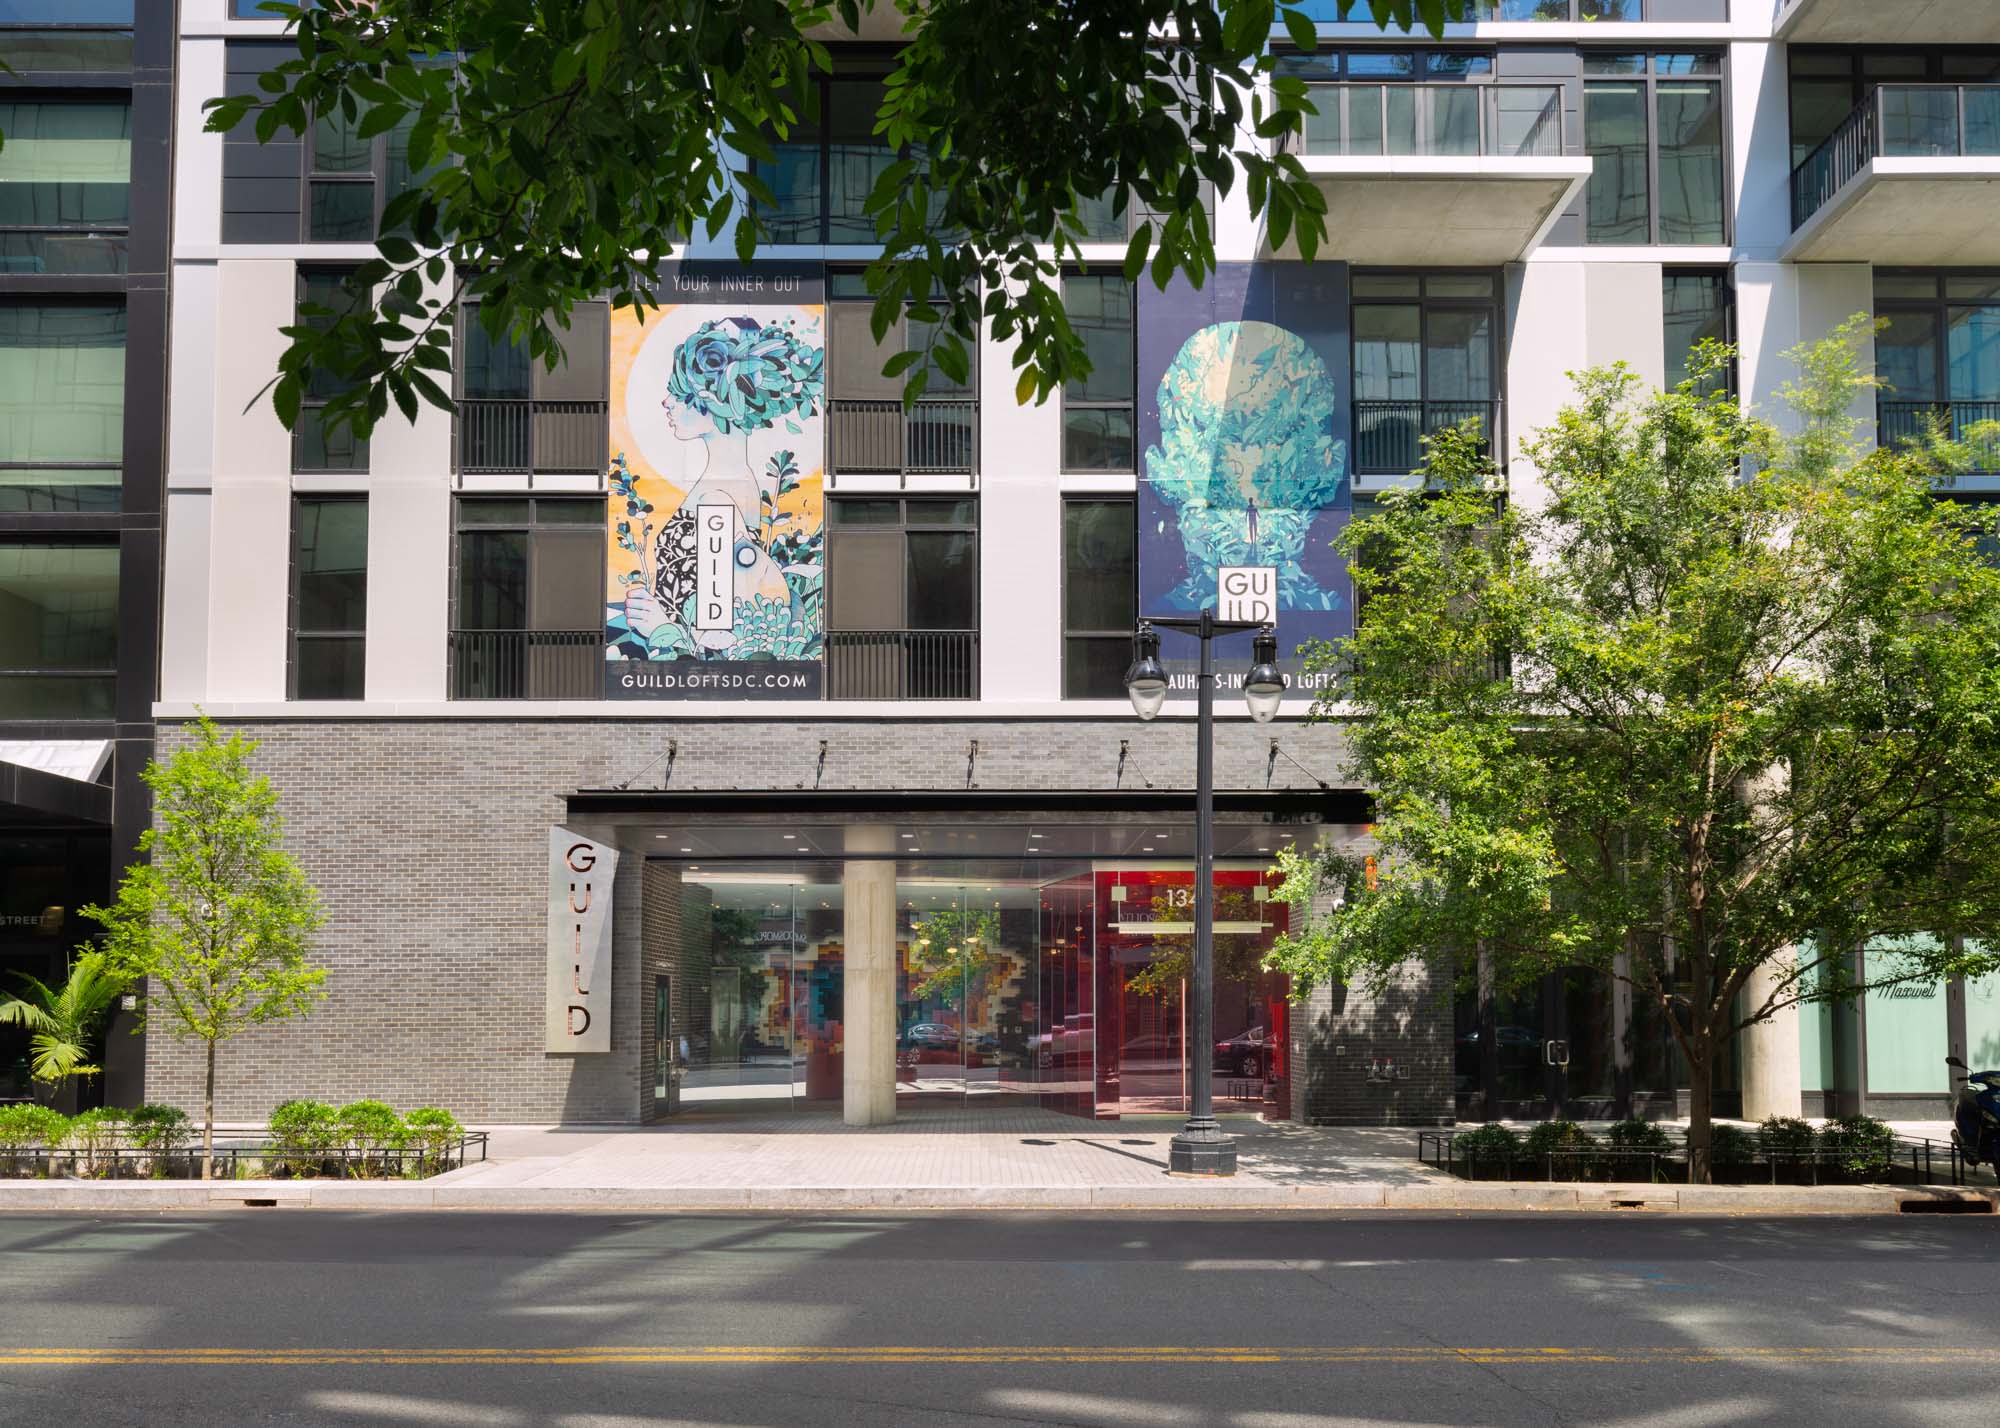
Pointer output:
x,y
220,917
1752,723
65,1022
560,150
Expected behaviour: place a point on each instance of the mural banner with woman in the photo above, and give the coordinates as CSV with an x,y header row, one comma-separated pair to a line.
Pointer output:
x,y
1243,422
715,586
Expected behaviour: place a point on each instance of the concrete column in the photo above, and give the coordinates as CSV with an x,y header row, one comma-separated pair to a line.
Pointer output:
x,y
868,1000
1771,1079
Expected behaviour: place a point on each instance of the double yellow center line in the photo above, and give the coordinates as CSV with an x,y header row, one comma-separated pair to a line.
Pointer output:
x,y
982,1354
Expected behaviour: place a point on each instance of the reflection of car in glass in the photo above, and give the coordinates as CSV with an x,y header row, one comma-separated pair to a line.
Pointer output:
x,y
1244,1054
1509,1039
1066,1044
930,1036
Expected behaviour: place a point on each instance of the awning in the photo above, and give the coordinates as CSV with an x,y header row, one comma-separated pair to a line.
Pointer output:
x,y
43,779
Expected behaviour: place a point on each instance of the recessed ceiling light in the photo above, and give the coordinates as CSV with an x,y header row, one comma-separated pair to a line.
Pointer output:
x,y
909,835
687,850
790,836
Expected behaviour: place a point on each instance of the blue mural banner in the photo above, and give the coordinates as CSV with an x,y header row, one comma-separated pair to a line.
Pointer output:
x,y
1243,427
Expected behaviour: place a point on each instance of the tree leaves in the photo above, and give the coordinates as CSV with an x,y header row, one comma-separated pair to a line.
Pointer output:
x,y
560,153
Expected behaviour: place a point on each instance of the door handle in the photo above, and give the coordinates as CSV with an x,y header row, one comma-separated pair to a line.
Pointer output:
x,y
1556,1053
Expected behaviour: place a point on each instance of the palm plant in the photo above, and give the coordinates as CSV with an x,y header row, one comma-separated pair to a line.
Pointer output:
x,y
64,1021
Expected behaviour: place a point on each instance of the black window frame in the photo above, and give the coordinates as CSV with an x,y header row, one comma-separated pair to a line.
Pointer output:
x,y
862,67
906,527
311,403
1130,407
53,492
1859,84
1725,280
106,675
1649,81
117,236
1070,634
1956,412
293,628
376,177
535,501
32,77
1495,309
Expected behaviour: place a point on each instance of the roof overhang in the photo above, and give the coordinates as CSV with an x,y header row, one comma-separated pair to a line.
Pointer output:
x,y
54,781
1915,212
1907,22
1330,804
1452,211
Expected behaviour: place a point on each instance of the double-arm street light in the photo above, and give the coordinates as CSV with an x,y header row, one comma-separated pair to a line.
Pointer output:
x,y
1201,1148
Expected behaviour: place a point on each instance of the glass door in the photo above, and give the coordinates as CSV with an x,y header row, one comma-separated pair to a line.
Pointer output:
x,y
936,941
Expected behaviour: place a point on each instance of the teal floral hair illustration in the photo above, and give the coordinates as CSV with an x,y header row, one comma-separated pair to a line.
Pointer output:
x,y
1247,457
744,375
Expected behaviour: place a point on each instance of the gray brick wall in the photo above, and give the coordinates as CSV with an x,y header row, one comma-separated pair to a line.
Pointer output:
x,y
428,842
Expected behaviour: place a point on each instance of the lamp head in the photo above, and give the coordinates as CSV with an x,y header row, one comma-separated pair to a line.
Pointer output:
x,y
1146,679
1264,686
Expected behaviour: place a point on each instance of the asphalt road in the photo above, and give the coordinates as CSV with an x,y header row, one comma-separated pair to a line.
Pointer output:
x,y
587,1321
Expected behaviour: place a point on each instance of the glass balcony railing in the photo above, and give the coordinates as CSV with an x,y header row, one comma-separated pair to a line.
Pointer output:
x,y
1899,121
1432,120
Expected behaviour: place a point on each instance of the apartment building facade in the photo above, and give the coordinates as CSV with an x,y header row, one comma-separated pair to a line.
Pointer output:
x,y
84,219
826,697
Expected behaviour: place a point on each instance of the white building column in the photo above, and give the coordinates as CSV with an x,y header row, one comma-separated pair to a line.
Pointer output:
x,y
1771,1079
868,1000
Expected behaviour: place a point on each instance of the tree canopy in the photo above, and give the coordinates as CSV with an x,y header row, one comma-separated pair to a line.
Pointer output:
x,y
1722,711
563,150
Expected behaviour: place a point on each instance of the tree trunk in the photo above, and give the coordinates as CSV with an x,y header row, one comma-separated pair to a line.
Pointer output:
x,y
1701,1109
208,1119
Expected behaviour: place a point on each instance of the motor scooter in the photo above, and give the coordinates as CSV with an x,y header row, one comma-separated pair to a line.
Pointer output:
x,y
1975,1115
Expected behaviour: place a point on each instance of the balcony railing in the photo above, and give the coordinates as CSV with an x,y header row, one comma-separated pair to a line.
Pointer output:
x,y
518,435
902,664
527,664
1902,423
1898,121
1432,120
879,437
1387,434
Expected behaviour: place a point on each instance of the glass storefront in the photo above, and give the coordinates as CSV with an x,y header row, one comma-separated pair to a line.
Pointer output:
x,y
1051,982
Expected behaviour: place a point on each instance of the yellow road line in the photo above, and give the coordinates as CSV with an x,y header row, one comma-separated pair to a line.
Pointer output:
x,y
979,1354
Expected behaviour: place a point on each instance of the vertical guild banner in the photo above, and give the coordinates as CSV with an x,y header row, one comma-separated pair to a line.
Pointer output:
x,y
579,992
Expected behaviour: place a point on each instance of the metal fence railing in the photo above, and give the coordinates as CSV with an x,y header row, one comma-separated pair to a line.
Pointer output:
x,y
1898,121
902,664
1899,423
878,437
243,1156
1388,435
1907,1161
517,435
526,664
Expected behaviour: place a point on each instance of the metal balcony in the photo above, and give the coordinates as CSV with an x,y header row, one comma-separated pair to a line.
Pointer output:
x,y
1388,435
902,664
1911,176
515,435
1901,423
527,664
878,437
1438,174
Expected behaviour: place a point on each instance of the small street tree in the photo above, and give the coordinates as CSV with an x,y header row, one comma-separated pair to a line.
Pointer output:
x,y
220,918
1722,713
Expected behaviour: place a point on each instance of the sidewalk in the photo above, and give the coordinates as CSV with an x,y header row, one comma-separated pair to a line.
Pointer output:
x,y
959,1159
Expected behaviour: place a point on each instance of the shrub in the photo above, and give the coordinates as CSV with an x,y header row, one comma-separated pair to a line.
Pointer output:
x,y
431,1133
367,1128
1551,1136
1730,1145
95,1136
1786,1135
162,1131
1861,1145
1488,1142
1639,1134
302,1133
31,1127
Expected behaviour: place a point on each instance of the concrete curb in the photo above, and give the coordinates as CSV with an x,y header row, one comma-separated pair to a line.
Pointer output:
x,y
130,1197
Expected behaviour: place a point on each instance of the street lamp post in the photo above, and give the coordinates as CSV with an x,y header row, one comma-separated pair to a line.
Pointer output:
x,y
1201,1148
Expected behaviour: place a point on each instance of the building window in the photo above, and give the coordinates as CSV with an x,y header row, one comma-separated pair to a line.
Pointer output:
x,y
1699,306
868,429
1652,124
1331,11
329,597
350,179
61,37
1426,355
1829,85
528,606
902,598
1939,356
1100,595
824,169
1098,410
58,629
62,405
65,184
1421,102
516,415
317,446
